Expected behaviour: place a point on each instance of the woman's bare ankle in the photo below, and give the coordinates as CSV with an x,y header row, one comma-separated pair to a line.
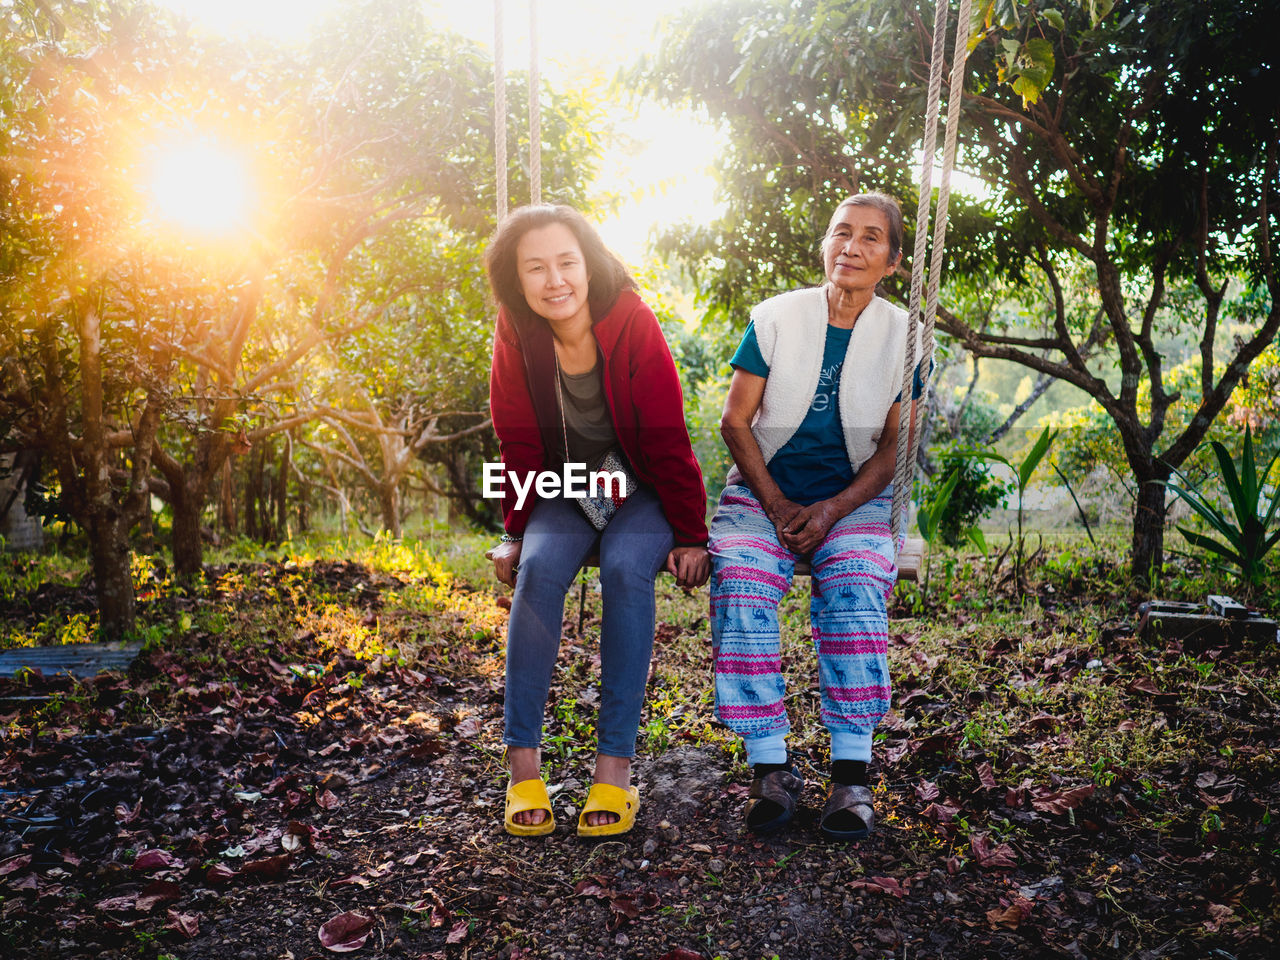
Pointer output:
x,y
615,771
525,763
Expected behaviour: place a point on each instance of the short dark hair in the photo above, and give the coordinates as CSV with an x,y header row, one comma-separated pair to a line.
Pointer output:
x,y
886,205
608,275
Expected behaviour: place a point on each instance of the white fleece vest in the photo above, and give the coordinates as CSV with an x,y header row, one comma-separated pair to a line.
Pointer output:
x,y
792,329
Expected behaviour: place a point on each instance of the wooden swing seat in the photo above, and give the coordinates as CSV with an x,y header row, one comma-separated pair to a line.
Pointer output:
x,y
910,559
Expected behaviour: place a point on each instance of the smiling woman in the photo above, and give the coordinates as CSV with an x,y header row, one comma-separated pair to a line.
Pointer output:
x,y
201,186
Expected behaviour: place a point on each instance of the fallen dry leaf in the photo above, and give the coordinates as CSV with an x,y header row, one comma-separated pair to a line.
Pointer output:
x,y
13,864
592,887
345,932
469,728
187,924
1144,685
328,801
939,812
990,856
156,893
1060,802
1009,917
156,860
126,814
889,885
987,777
218,874
268,867
1218,915
625,906
354,878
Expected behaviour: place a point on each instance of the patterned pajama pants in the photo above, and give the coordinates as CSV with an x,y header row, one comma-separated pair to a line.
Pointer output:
x,y
853,573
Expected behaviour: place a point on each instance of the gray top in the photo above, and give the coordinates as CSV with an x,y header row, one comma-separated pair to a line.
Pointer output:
x,y
588,429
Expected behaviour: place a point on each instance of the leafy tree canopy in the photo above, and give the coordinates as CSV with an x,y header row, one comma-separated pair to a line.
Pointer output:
x,y
1130,150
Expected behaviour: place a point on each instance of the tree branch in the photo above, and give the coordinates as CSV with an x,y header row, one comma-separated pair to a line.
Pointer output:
x,y
261,433
428,437
1043,383
137,500
201,359
1021,184
1065,342
1213,296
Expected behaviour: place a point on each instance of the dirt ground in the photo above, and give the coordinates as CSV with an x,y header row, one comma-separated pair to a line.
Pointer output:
x,y
277,786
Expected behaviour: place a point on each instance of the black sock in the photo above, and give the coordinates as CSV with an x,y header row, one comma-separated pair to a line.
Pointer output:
x,y
764,769
849,773
764,811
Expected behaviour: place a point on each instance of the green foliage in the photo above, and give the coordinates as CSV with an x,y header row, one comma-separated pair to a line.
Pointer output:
x,y
973,493
1256,402
935,505
1091,441
1110,231
1022,473
938,512
358,287
1247,528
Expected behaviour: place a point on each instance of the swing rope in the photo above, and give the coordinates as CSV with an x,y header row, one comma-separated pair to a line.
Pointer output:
x,y
499,111
908,443
535,113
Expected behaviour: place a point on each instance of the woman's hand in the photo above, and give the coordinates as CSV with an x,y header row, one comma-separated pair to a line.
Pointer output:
x,y
809,526
505,556
780,512
690,565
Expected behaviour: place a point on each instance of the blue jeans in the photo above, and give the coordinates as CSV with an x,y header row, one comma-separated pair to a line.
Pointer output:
x,y
633,548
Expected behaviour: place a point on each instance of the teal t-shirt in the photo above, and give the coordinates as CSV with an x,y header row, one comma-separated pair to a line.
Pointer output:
x,y
813,464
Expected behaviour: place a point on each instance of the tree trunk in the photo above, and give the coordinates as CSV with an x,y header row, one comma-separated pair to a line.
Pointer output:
x,y
304,505
266,528
112,581
188,549
106,524
147,529
227,499
389,504
250,496
280,490
1148,528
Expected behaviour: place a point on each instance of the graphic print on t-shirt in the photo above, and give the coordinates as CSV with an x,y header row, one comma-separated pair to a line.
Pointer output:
x,y
828,385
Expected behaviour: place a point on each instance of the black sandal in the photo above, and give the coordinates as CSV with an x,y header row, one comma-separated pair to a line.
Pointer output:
x,y
772,800
849,814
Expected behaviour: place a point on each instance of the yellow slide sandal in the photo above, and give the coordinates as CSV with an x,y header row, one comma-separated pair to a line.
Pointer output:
x,y
528,795
606,798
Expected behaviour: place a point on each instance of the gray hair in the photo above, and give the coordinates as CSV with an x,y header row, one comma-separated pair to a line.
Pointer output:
x,y
886,205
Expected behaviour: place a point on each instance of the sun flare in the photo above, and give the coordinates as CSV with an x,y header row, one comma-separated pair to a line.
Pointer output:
x,y
201,186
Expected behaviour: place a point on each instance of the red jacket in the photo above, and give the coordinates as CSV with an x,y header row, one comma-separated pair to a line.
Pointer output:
x,y
646,406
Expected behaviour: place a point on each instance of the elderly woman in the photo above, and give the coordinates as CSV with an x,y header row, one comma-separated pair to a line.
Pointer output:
x,y
811,420
582,375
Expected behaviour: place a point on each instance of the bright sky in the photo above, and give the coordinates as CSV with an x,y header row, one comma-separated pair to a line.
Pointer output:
x,y
663,172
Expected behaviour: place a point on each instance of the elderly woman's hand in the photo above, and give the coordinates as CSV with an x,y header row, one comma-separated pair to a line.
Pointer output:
x,y
809,526
689,565
505,556
780,512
